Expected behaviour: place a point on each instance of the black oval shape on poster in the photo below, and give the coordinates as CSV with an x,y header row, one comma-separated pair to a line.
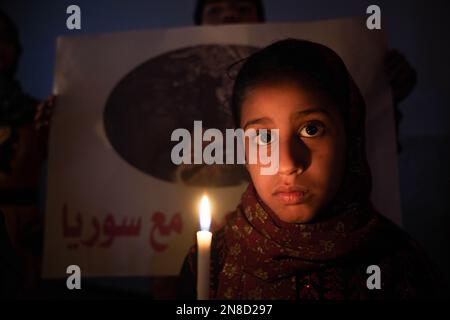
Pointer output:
x,y
167,92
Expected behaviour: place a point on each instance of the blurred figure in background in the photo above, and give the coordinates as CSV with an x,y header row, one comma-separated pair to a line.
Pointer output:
x,y
21,154
216,12
402,77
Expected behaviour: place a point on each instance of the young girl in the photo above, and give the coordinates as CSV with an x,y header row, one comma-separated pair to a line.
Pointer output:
x,y
309,231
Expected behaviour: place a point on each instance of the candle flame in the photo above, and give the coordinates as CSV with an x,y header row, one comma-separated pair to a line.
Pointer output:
x,y
205,214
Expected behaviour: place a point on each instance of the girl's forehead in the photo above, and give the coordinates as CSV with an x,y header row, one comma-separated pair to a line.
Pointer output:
x,y
284,100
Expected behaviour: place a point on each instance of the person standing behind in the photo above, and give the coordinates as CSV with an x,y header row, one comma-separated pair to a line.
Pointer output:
x,y
402,77
21,155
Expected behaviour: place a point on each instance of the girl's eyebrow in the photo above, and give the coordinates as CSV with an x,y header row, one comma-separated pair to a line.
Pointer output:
x,y
298,114
306,112
257,120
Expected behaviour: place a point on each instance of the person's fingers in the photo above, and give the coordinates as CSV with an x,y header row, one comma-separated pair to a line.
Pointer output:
x,y
41,119
44,113
404,74
392,58
45,108
42,105
393,54
47,111
52,100
402,87
395,61
40,115
38,112
403,91
401,66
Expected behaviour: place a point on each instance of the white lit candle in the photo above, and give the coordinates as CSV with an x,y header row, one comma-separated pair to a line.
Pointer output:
x,y
204,237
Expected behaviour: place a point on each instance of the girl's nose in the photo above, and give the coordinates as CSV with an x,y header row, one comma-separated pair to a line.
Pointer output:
x,y
294,156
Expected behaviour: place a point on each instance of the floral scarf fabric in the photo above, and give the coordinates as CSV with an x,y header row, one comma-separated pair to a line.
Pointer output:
x,y
264,253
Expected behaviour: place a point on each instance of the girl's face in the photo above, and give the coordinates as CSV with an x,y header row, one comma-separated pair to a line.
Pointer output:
x,y
311,148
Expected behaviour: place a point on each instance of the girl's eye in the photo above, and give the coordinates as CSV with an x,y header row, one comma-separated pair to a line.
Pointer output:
x,y
263,137
311,130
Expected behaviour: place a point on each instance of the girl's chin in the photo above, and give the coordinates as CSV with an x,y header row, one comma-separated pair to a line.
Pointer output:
x,y
295,214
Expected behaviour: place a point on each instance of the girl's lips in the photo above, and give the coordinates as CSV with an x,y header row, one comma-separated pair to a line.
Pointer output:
x,y
291,195
294,197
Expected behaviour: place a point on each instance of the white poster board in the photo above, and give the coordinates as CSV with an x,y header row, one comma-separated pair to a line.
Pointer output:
x,y
113,219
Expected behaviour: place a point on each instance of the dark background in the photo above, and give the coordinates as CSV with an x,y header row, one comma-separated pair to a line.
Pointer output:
x,y
419,29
